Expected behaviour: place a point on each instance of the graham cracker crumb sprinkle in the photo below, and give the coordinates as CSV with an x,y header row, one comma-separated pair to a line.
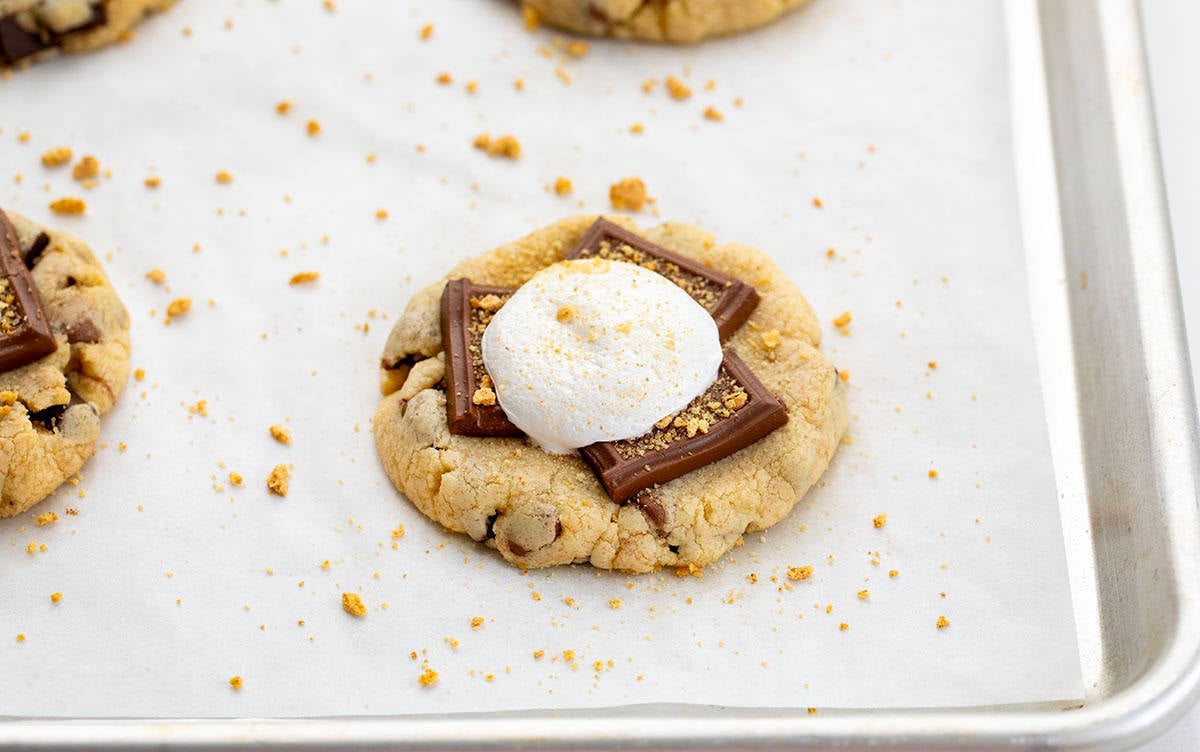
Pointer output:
x,y
157,276
236,683
279,480
562,186
864,594
445,79
628,194
484,396
712,113
932,365
68,205
280,434
718,402
795,574
224,177
140,374
943,622
398,533
20,638
771,339
506,147
476,622
55,597
57,157
843,627
615,603
353,605
816,202
177,307
283,107
843,320
426,32
880,520
677,89
312,128
45,518
381,214
304,278
86,169
933,473
637,128
577,48
428,678
893,573
236,478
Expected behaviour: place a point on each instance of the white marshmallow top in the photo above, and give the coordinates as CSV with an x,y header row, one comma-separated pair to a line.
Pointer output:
x,y
595,350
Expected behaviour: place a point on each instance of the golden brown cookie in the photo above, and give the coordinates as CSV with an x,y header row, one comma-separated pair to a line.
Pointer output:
x,y
34,29
50,407
539,509
677,21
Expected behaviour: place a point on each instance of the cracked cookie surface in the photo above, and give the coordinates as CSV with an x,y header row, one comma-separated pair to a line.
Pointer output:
x,y
539,509
50,409
675,21
35,29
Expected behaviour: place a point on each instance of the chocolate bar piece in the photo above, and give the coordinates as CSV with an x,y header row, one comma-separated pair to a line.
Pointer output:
x,y
471,405
730,301
22,35
733,413
25,333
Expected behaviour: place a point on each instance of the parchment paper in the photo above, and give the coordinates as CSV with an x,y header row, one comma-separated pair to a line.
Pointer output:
x,y
893,115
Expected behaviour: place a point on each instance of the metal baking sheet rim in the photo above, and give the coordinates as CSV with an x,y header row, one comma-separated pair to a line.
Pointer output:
x,y
1130,716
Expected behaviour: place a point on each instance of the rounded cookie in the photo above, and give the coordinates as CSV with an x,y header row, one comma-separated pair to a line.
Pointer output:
x,y
50,408
676,21
33,29
539,509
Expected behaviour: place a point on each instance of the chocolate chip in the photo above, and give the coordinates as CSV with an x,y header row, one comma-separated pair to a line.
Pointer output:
x,y
650,505
34,253
18,43
51,417
83,330
490,530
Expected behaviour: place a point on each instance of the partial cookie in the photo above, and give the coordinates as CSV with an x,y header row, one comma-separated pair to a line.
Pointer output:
x,y
33,29
53,391
539,509
676,21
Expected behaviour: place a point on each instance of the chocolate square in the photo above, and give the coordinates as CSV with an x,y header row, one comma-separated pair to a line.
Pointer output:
x,y
466,310
733,413
729,300
25,334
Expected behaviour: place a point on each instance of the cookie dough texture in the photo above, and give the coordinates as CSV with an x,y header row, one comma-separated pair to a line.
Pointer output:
x,y
51,426
57,20
677,21
541,510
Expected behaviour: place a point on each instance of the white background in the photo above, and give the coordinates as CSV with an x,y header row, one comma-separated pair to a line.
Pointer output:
x,y
1170,28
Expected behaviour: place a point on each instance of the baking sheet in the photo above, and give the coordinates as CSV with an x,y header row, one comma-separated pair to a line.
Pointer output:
x,y
895,117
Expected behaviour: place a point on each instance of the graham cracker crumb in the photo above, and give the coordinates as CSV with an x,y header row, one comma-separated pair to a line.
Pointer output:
x,y
880,520
55,597
152,182
313,128
304,278
484,396
816,202
628,194
157,276
283,108
444,78
864,594
280,434
236,683
57,157
426,32
353,605
381,214
843,320
637,128
933,473
615,603
68,205
398,533
843,627
236,478
943,622
677,89
562,186
176,308
577,48
428,678
770,339
795,574
476,622
224,177
86,169
45,518
712,113
893,573
565,313
279,480
140,374
20,638
932,365
506,147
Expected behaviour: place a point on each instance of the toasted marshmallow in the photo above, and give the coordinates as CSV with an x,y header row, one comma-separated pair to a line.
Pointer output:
x,y
595,350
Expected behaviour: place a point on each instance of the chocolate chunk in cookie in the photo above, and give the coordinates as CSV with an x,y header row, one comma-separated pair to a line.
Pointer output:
x,y
25,334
